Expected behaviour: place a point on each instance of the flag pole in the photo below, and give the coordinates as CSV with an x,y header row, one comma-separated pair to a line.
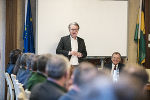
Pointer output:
x,y
26,6
139,31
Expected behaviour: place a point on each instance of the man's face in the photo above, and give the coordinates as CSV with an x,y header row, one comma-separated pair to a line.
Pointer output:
x,y
74,31
116,59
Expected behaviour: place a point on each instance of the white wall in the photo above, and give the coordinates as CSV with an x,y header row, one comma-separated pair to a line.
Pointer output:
x,y
2,47
103,24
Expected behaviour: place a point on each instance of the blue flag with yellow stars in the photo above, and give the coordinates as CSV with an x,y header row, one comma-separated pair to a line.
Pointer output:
x,y
28,31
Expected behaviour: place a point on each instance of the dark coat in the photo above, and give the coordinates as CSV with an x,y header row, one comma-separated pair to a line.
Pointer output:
x,y
64,47
70,95
47,91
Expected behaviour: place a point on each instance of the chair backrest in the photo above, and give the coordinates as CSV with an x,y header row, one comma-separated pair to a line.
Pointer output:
x,y
21,94
10,87
19,90
13,77
28,93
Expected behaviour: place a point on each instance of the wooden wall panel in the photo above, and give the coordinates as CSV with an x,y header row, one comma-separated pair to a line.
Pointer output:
x,y
147,30
11,27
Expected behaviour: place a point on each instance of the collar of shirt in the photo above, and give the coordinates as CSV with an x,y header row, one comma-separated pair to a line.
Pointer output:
x,y
73,38
114,66
50,79
74,44
112,69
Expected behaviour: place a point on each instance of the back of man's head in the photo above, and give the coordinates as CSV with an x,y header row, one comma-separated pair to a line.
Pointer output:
x,y
137,71
57,67
24,58
41,63
34,63
29,60
84,73
14,54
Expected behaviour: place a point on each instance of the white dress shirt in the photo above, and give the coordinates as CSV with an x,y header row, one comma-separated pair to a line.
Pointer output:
x,y
115,73
113,66
74,47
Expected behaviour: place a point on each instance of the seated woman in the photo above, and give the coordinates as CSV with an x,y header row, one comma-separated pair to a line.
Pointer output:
x,y
13,56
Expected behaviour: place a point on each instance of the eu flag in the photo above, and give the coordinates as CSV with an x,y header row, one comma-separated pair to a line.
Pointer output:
x,y
28,31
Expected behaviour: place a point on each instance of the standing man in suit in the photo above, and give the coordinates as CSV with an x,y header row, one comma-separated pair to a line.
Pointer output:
x,y
115,64
72,46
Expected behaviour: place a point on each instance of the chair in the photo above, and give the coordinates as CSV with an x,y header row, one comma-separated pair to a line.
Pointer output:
x,y
28,93
13,77
19,90
10,87
21,93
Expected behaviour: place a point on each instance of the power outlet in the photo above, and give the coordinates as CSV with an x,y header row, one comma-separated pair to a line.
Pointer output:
x,y
148,37
149,45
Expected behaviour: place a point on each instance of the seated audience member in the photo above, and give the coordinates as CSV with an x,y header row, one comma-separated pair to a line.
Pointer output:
x,y
57,70
115,64
129,88
29,67
33,69
17,65
137,71
13,56
81,76
132,82
100,87
40,75
24,71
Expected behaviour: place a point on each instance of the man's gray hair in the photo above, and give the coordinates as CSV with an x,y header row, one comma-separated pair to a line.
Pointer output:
x,y
24,58
30,60
57,66
84,73
74,23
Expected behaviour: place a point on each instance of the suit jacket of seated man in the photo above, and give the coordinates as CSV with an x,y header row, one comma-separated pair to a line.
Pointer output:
x,y
109,66
47,90
64,47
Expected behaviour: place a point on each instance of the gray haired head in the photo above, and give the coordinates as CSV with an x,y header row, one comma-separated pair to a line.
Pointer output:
x,y
74,23
42,62
84,73
30,60
24,59
57,66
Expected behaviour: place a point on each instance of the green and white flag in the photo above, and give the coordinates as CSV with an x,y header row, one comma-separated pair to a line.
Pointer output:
x,y
139,36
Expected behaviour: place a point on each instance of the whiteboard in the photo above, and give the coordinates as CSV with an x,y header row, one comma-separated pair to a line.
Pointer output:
x,y
103,25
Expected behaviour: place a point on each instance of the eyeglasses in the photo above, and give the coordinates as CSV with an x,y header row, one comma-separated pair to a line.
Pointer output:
x,y
74,29
116,58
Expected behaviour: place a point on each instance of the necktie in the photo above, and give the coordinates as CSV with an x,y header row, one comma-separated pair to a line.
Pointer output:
x,y
115,67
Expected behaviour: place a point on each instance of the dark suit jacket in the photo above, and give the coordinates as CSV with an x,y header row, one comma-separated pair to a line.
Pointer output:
x,y
70,95
109,66
47,91
64,47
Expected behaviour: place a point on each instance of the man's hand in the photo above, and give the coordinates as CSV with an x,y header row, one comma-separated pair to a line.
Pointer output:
x,y
75,53
79,54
